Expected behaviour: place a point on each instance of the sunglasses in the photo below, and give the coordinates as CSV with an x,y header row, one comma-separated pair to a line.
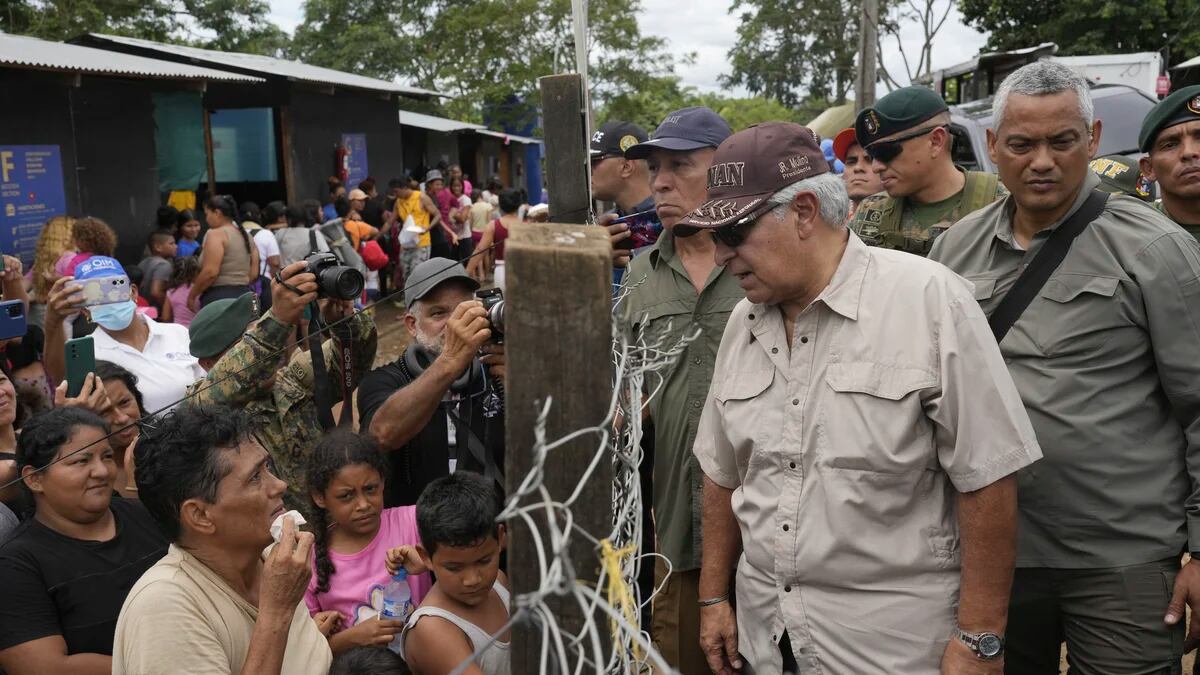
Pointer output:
x,y
596,160
886,151
734,234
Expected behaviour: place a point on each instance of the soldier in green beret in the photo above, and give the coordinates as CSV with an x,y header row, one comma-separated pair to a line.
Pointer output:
x,y
1171,135
907,138
251,367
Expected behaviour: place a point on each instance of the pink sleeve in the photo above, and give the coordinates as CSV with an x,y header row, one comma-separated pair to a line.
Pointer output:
x,y
404,525
311,600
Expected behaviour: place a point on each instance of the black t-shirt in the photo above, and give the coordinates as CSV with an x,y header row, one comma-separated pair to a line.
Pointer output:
x,y
55,585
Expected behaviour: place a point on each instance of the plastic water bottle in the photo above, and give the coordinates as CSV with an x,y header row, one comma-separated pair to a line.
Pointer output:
x,y
397,603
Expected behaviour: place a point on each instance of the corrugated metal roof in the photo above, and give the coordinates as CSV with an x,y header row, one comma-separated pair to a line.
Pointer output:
x,y
442,124
268,65
30,52
508,137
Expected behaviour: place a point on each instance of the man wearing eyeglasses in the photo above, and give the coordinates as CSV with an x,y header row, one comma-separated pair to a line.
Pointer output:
x,y
907,140
675,290
860,425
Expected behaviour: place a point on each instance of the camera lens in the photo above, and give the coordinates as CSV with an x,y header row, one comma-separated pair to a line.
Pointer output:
x,y
496,317
342,283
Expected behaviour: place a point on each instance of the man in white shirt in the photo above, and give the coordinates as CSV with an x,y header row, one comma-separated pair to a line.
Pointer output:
x,y
157,353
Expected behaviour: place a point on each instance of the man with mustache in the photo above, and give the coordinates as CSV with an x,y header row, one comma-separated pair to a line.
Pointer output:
x,y
861,181
907,140
1106,356
1171,135
440,406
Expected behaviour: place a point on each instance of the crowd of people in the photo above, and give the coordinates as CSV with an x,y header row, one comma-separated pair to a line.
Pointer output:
x,y
924,420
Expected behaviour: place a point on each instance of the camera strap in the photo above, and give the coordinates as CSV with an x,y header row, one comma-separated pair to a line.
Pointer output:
x,y
322,393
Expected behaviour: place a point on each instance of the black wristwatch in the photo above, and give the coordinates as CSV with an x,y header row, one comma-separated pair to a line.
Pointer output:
x,y
986,646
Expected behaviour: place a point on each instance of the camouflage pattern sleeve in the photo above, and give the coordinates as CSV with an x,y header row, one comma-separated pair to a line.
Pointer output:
x,y
299,374
867,218
237,377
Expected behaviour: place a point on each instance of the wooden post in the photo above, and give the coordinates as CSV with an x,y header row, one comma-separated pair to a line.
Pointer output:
x,y
208,151
558,338
868,36
563,121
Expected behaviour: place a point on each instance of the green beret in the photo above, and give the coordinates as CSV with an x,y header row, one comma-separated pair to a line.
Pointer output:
x,y
219,324
1181,106
900,110
1121,175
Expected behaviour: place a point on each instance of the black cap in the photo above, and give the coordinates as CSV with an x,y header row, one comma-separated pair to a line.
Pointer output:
x,y
613,138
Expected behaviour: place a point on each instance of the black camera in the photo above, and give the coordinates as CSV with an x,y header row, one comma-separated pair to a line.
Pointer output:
x,y
335,280
493,303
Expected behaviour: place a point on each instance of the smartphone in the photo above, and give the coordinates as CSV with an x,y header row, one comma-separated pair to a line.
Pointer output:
x,y
12,319
81,360
105,290
644,229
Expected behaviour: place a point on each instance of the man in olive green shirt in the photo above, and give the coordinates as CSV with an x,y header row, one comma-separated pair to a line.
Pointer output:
x,y
1107,360
907,138
1171,135
670,291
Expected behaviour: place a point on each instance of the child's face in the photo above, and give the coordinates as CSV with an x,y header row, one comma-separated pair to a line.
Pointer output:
x,y
468,573
354,499
166,247
190,229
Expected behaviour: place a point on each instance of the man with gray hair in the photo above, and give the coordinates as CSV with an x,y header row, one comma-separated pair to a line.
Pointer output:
x,y
1095,301
859,426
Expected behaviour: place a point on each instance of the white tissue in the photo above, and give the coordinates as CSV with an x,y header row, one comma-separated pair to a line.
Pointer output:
x,y
277,526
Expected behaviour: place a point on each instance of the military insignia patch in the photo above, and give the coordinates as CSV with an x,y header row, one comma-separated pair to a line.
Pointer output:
x,y
875,216
871,122
1143,187
627,142
1194,105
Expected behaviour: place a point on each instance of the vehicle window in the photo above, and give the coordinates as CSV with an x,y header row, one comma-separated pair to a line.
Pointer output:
x,y
1122,115
964,154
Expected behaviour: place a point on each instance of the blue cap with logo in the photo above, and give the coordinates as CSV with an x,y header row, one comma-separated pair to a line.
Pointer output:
x,y
98,266
687,129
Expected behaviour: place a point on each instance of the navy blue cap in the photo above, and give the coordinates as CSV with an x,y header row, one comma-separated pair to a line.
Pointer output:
x,y
687,129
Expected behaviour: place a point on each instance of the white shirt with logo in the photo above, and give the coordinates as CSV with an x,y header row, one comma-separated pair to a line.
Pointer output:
x,y
165,367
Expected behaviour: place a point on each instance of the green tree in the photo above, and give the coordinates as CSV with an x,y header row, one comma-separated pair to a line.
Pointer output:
x,y
789,48
234,25
647,107
1089,26
486,53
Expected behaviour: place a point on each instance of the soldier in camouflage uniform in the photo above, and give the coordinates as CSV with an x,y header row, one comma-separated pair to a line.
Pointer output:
x,y
907,137
1171,135
248,368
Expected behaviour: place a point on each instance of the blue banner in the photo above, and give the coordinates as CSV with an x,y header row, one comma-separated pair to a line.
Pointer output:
x,y
356,159
31,193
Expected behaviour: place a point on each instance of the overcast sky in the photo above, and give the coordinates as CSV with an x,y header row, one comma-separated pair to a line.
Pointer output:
x,y
707,28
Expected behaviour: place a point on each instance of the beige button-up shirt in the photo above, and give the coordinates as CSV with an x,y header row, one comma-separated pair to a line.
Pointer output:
x,y
844,454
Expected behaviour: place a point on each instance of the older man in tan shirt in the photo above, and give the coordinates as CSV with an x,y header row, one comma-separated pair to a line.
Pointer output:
x,y
861,423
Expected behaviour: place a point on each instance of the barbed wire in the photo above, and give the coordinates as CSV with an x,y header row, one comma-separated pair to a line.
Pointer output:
x,y
613,602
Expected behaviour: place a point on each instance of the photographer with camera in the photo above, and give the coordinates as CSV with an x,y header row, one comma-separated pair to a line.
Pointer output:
x,y
251,367
440,407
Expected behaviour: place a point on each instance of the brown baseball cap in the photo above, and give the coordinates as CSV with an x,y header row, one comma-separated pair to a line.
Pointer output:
x,y
749,167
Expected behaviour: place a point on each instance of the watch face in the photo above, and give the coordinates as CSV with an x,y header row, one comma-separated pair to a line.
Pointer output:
x,y
990,645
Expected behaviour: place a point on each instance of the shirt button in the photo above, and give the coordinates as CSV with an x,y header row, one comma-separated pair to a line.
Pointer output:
x,y
785,527
697,361
795,401
774,350
787,589
695,404
751,317
803,340
791,465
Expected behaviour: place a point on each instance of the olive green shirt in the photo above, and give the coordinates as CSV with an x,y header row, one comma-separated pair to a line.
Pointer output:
x,y
662,302
1107,361
1192,228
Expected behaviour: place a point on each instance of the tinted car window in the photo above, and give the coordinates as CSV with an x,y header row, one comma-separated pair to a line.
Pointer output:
x,y
1122,115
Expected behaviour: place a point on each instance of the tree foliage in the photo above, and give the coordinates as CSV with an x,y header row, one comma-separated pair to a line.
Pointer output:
x,y
1089,26
233,25
647,107
486,53
787,49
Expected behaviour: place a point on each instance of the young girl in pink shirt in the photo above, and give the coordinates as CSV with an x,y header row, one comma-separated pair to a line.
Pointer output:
x,y
353,534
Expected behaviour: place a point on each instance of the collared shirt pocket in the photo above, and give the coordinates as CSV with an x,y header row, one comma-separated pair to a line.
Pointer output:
x,y
983,289
874,419
749,415
1077,315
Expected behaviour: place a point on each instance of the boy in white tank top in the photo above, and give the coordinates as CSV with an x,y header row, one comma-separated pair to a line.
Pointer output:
x,y
465,615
